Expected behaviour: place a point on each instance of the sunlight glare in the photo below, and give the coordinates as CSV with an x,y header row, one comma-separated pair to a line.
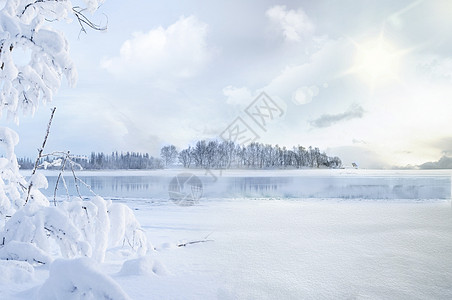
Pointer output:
x,y
376,61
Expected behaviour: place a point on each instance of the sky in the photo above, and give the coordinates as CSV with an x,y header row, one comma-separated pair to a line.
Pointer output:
x,y
368,81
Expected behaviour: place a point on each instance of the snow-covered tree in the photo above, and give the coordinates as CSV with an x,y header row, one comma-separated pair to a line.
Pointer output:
x,y
30,228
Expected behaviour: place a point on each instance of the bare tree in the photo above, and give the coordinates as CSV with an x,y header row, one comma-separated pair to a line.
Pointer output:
x,y
168,154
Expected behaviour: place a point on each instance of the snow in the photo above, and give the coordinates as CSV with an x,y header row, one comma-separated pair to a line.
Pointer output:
x,y
142,266
79,279
39,181
282,249
245,247
279,249
22,251
71,229
15,272
24,25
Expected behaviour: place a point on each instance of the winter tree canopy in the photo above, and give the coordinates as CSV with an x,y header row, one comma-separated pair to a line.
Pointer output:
x,y
25,28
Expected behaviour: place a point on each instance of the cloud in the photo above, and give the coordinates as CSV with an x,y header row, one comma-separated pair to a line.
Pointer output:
x,y
237,96
321,70
294,24
357,141
444,162
354,112
436,67
305,94
445,144
179,51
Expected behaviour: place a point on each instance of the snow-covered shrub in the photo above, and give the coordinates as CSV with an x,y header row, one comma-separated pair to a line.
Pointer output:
x,y
142,266
72,229
30,228
22,251
125,229
11,183
15,271
79,279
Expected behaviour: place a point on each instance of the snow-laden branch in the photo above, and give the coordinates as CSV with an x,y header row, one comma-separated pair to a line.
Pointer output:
x,y
30,185
24,25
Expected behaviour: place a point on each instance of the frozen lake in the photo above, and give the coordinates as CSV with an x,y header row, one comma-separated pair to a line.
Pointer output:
x,y
342,184
286,249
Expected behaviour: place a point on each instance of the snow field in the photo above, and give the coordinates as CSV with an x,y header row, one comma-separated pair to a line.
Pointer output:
x,y
280,249
270,249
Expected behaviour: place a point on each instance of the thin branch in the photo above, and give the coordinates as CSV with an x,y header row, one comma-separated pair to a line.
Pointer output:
x,y
40,153
208,235
65,187
83,20
75,180
60,175
193,242
30,4
87,186
68,159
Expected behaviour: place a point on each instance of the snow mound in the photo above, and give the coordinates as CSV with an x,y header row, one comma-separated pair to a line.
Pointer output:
x,y
79,279
21,251
15,272
142,266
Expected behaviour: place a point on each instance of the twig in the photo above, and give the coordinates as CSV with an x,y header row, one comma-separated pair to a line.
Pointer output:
x,y
40,153
86,185
208,235
84,20
75,180
65,186
60,175
67,159
193,242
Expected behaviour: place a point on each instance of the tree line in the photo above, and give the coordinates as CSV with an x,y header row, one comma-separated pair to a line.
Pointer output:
x,y
204,154
100,161
224,155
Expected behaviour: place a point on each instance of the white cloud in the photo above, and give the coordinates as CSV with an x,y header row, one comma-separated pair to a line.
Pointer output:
x,y
323,66
179,51
237,96
294,24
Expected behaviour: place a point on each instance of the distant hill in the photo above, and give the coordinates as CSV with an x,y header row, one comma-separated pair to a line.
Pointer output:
x,y
444,162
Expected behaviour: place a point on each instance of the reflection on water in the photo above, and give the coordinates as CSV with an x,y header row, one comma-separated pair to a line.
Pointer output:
x,y
366,187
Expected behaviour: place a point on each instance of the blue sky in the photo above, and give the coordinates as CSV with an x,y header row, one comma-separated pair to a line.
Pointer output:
x,y
369,81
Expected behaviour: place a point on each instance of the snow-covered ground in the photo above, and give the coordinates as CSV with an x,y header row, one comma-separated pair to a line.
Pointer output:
x,y
279,249
294,248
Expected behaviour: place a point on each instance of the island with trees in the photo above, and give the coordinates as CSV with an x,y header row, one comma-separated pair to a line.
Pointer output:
x,y
204,154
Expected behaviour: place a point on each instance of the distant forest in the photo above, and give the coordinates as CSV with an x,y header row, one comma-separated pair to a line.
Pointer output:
x,y
204,155
100,161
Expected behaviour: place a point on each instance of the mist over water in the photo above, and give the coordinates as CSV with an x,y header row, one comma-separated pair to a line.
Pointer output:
x,y
361,186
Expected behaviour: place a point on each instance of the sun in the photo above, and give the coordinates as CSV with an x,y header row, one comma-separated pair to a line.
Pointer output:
x,y
376,61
